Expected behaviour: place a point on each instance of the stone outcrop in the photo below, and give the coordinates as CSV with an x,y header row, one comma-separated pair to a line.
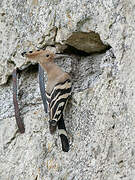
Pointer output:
x,y
99,37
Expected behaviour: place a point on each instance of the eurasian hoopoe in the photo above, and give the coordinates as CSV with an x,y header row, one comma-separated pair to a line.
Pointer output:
x,y
58,90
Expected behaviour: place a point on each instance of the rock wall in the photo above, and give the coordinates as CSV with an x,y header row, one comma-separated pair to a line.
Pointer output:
x,y
99,37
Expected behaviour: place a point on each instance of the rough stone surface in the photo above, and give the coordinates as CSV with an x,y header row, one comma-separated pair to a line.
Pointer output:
x,y
100,115
87,42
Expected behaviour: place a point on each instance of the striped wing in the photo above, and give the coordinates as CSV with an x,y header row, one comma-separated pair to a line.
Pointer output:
x,y
57,99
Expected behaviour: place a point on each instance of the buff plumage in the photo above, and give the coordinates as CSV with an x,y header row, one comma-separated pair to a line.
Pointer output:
x,y
58,91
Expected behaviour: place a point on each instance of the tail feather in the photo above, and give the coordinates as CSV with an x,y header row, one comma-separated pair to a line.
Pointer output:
x,y
63,135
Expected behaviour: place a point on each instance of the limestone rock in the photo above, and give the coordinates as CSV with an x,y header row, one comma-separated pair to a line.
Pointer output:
x,y
87,42
100,115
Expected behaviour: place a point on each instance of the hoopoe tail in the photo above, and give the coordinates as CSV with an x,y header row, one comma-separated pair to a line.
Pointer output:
x,y
63,134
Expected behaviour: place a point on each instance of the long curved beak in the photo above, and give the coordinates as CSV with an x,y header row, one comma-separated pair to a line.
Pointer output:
x,y
58,56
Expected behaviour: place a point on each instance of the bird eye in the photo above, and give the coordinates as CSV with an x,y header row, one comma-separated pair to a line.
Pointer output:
x,y
47,55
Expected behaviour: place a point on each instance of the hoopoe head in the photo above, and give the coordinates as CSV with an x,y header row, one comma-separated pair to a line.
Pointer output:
x,y
42,56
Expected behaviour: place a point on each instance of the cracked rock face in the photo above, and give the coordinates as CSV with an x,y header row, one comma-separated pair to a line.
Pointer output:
x,y
99,116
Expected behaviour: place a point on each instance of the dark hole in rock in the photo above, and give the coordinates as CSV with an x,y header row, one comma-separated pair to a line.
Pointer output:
x,y
32,68
3,14
72,50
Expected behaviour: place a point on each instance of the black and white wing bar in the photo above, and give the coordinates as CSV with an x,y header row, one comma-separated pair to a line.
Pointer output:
x,y
56,110
57,101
